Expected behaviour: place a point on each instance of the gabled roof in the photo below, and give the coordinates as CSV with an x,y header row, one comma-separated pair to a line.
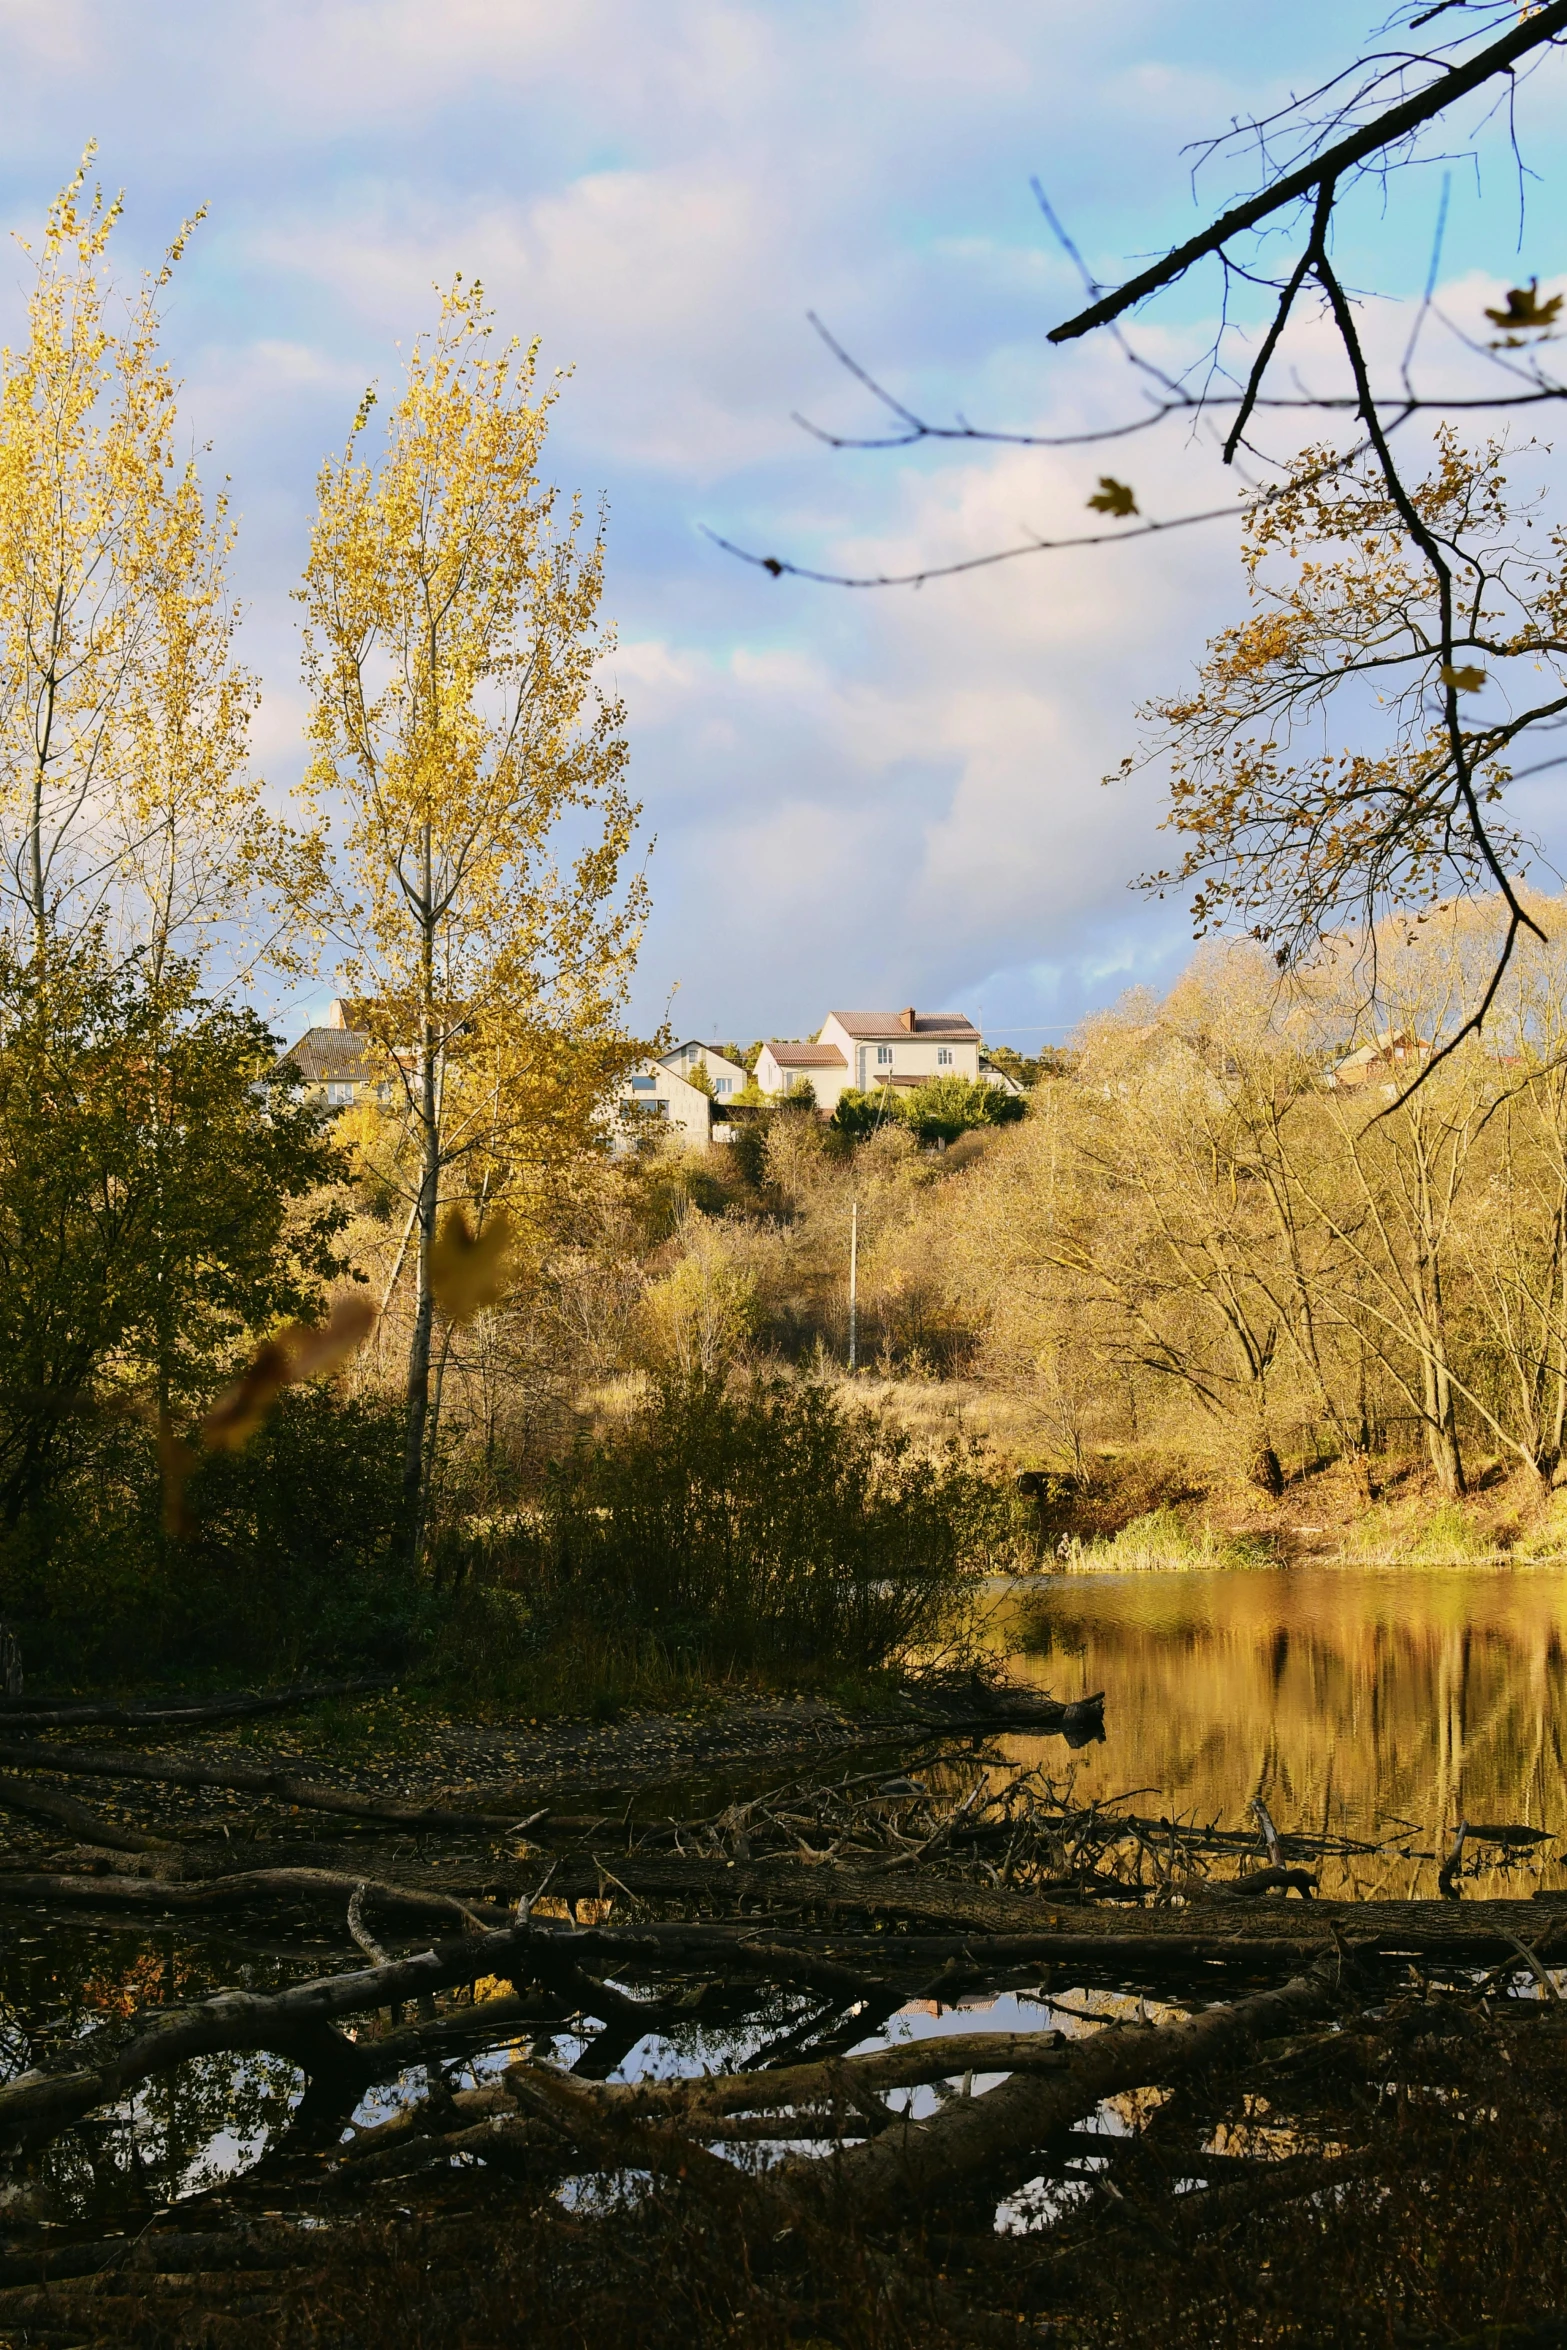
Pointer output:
x,y
806,1056
948,1027
694,1044
325,1054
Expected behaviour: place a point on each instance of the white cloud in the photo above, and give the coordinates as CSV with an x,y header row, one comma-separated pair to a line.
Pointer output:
x,y
855,795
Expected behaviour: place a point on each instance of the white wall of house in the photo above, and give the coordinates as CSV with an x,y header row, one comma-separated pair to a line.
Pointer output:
x,y
902,1054
728,1077
653,1092
826,1071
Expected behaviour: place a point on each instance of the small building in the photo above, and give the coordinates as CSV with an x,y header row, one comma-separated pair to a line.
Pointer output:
x,y
1388,1062
334,1061
655,1100
726,1076
867,1049
786,1068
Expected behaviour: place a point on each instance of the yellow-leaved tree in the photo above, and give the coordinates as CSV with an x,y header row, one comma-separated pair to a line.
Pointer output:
x,y
124,795
488,931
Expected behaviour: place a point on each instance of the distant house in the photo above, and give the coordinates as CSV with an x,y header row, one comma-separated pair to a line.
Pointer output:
x,y
727,1077
785,1068
334,1061
867,1049
1387,1062
655,1099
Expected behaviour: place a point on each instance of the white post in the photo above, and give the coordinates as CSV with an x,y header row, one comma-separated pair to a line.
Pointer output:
x,y
854,1282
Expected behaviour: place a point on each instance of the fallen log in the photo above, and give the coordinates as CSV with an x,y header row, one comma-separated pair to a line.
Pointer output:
x,y
45,1803
307,1794
208,1709
238,1890
297,2023
925,2162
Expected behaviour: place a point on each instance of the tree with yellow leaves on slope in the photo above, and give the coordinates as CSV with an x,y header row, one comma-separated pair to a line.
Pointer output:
x,y
125,801
452,644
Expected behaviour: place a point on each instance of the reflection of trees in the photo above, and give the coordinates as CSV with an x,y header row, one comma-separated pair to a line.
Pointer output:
x,y
179,2134
1349,1702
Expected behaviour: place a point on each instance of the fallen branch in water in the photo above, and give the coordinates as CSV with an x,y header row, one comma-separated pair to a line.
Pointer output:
x,y
925,2162
238,1891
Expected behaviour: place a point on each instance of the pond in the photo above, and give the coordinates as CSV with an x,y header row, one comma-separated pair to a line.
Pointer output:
x,y
1383,1704
1375,1706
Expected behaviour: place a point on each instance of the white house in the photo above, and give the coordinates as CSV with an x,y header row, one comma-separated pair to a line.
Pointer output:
x,y
867,1049
652,1092
728,1078
780,1068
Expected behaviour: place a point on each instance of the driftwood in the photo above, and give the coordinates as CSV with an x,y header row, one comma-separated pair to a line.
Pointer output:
x,y
244,1887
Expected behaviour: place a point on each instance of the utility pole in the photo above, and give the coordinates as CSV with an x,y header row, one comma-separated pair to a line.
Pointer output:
x,y
854,1283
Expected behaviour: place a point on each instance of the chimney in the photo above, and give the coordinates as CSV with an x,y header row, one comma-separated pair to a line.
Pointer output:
x,y
336,1013
907,1019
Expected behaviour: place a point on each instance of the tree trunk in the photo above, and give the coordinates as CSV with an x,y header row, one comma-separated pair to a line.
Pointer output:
x,y
426,1209
1267,1470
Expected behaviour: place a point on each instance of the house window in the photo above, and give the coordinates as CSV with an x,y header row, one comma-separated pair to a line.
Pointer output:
x,y
644,1084
884,1056
943,1056
723,1085
339,1095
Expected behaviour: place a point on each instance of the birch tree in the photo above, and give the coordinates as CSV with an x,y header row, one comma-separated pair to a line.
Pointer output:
x,y
452,647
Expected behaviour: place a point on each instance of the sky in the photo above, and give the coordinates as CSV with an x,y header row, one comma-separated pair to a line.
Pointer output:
x,y
853,798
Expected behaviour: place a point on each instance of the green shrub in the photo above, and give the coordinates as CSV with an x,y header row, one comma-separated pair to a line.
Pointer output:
x,y
762,1522
938,1111
292,1565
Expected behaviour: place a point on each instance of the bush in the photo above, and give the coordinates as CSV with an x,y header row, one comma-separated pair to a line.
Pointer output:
x,y
292,1566
1163,1542
760,1522
937,1111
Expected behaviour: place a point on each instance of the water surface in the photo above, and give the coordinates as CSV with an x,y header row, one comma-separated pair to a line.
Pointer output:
x,y
1375,1702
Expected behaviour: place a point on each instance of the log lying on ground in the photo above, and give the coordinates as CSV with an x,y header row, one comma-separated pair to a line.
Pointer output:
x,y
105,1763
243,1888
922,2163
233,1708
45,1803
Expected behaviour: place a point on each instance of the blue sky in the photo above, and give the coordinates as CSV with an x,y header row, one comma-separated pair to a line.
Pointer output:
x,y
857,799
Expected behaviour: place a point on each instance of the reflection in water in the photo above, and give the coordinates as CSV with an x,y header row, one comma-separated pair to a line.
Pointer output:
x,y
175,2135
1371,1702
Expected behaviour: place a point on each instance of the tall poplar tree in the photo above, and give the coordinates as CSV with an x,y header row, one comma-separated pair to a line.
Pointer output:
x,y
452,642
125,800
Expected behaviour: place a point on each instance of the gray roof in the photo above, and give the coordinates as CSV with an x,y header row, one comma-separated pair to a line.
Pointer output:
x,y
951,1027
323,1055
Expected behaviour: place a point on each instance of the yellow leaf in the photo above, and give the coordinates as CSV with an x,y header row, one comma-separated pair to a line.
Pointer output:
x,y
1112,497
300,1351
469,1270
1463,677
1525,312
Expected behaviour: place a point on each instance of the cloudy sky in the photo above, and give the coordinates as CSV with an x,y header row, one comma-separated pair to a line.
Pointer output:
x,y
857,798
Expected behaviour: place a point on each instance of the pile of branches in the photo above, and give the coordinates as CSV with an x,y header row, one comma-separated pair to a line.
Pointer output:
x,y
1205,2074
1191,2125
